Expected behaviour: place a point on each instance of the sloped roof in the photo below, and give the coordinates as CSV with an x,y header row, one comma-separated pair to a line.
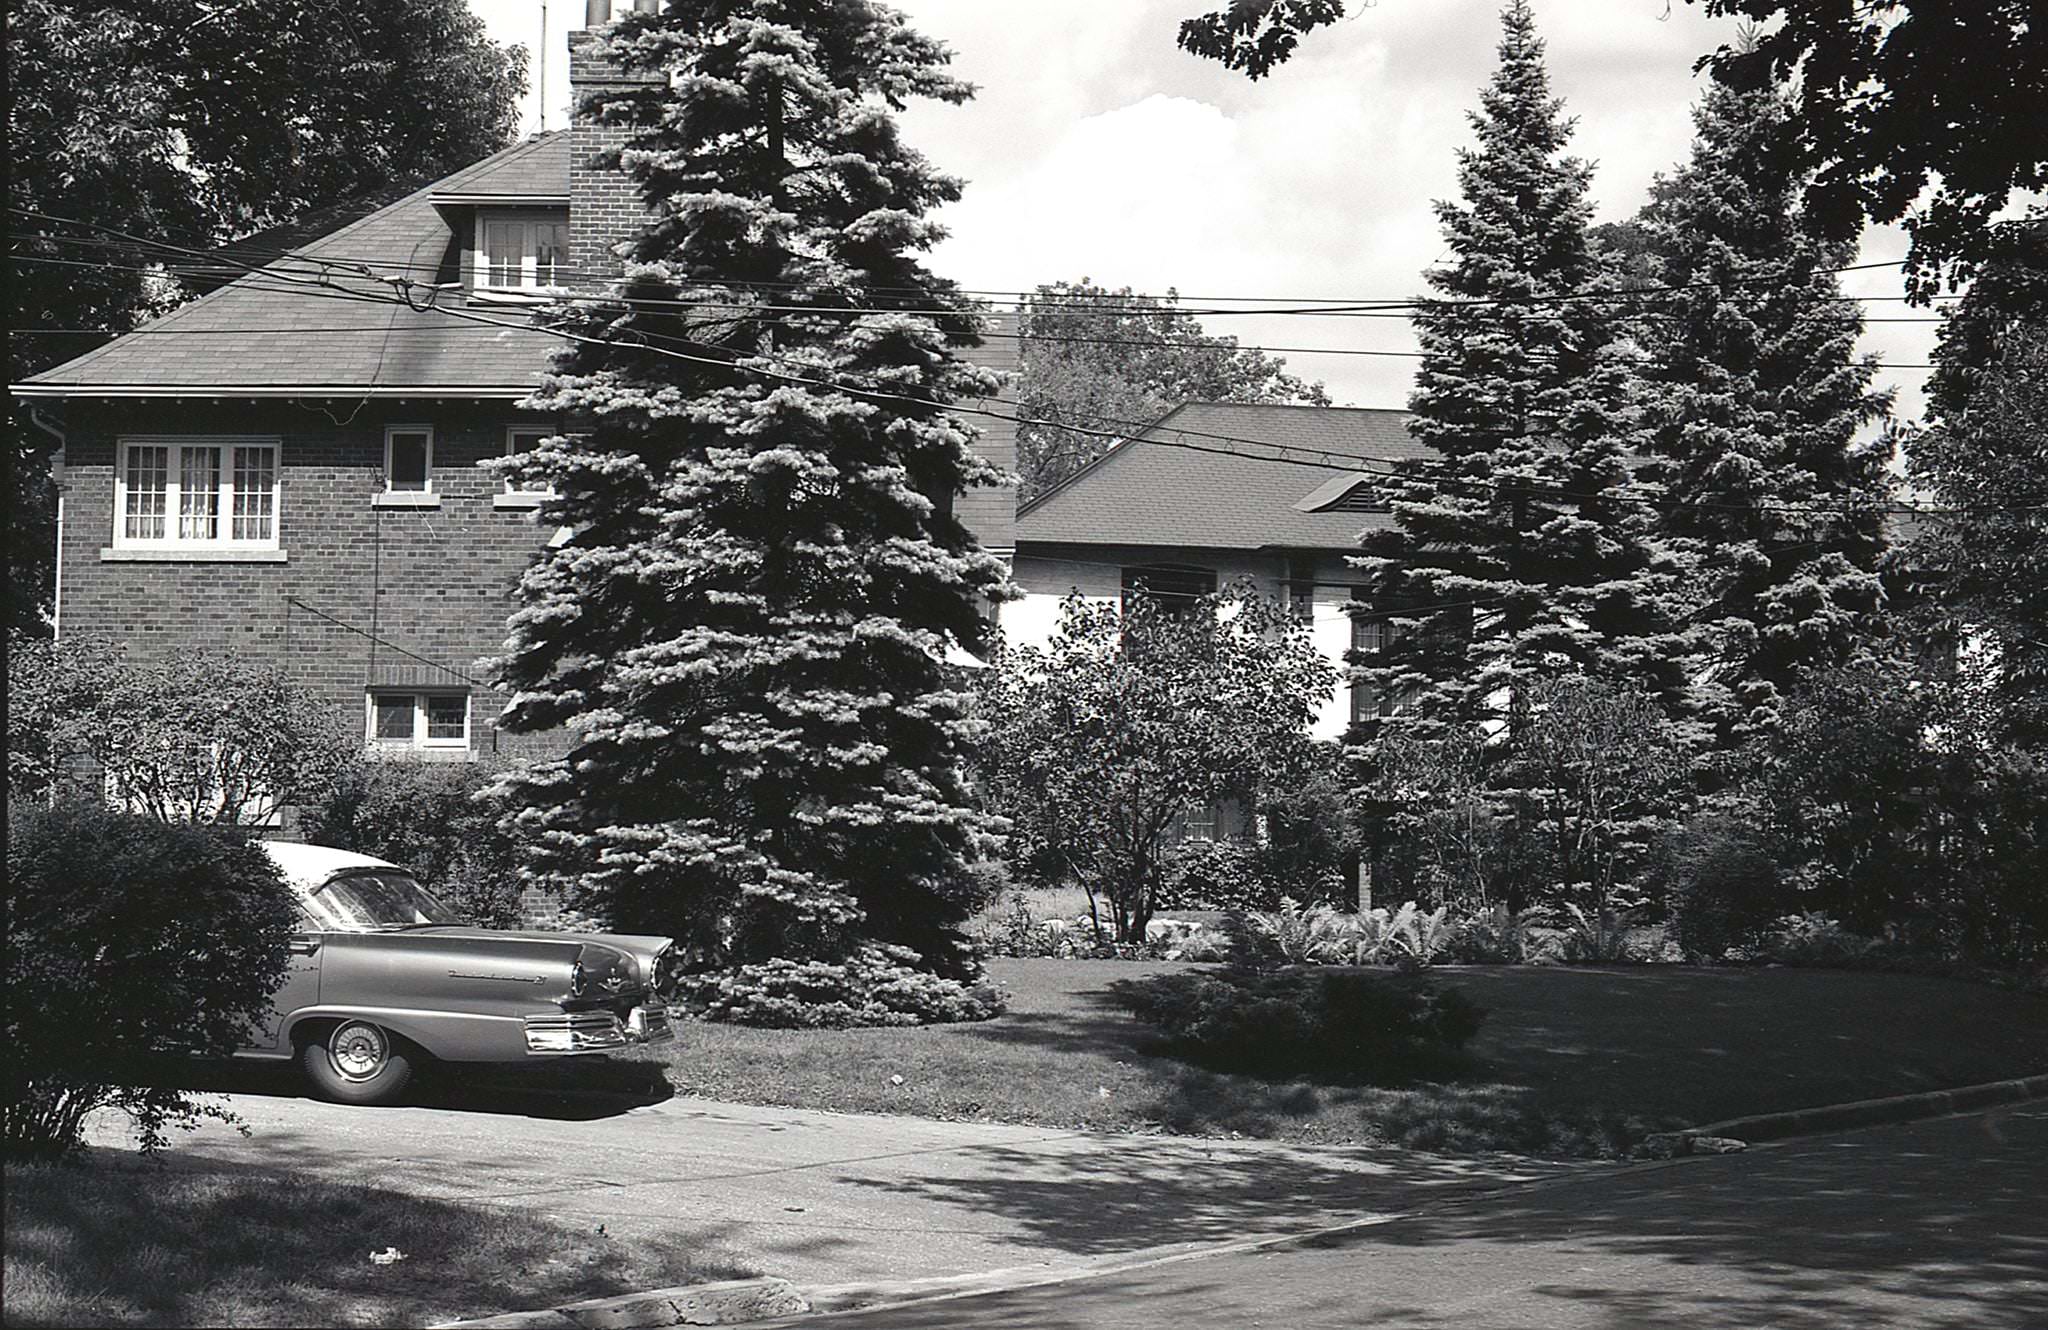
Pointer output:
x,y
1166,487
271,332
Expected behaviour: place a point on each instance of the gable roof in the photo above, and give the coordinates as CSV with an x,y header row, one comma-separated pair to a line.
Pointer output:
x,y
1165,485
272,333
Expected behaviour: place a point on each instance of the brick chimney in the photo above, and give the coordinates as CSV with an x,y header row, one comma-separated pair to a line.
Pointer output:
x,y
604,203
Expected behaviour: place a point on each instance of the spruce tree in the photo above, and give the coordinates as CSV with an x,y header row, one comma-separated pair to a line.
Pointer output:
x,y
1524,547
744,635
1751,408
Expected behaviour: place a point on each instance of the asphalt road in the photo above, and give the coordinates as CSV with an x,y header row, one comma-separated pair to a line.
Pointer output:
x,y
1940,1224
820,1197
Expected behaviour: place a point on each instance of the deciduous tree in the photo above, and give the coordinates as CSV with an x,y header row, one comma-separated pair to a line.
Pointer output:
x,y
1101,361
1129,719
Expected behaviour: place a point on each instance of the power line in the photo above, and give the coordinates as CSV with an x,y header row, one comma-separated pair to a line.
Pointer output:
x,y
251,281
1106,304
306,284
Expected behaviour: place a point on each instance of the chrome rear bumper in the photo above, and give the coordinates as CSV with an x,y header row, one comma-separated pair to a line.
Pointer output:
x,y
574,1032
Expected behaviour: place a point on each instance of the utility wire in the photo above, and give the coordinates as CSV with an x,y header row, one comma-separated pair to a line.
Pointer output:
x,y
251,281
404,286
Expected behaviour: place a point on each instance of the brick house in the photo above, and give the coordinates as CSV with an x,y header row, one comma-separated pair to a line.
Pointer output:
x,y
1213,492
288,466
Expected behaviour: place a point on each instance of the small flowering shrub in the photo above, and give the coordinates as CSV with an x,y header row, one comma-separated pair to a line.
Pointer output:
x,y
1339,1026
879,985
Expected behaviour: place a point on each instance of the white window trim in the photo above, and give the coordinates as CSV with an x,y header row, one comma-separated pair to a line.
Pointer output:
x,y
528,290
390,433
509,497
419,740
225,516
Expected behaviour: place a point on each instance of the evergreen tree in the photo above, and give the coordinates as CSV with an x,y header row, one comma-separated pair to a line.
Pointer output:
x,y
1524,546
745,633
1750,413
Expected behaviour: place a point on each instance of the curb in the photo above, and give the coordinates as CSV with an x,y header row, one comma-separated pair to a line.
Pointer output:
x,y
1719,1137
741,1301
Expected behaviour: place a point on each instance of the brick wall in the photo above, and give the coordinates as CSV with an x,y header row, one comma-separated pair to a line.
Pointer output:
x,y
366,596
604,204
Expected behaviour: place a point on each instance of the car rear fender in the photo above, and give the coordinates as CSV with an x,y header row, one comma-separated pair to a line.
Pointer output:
x,y
447,1036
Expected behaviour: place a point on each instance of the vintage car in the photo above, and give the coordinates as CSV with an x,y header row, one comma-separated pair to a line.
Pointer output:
x,y
383,975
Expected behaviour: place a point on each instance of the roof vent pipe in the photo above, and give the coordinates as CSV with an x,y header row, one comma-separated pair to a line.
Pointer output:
x,y
597,13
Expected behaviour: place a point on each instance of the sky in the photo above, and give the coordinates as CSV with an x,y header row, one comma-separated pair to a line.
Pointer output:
x,y
1097,148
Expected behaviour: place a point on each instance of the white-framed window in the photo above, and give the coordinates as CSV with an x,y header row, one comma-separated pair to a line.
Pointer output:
x,y
523,439
408,459
517,253
408,718
196,491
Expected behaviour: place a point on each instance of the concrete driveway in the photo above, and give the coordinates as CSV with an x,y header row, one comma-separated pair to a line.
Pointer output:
x,y
824,1197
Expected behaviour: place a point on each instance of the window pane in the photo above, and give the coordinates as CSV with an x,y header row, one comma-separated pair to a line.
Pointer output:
x,y
148,484
551,253
392,718
199,494
447,717
255,512
522,441
408,461
502,245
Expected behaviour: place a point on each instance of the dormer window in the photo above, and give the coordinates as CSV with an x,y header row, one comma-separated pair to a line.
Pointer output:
x,y
521,253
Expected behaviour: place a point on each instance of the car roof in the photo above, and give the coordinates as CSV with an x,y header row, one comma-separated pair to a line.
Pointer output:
x,y
307,866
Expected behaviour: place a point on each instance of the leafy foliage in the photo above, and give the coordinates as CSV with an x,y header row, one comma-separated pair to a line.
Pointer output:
x,y
201,122
1114,361
1720,881
1986,464
1898,97
1596,773
1256,35
1890,819
746,633
1130,718
201,737
434,818
1341,1027
125,937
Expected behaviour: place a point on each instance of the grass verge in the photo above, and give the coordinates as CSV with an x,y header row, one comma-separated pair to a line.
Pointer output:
x,y
123,1242
1571,1062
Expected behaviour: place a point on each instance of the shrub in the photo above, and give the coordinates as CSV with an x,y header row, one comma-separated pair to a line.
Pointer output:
x,y
204,736
433,818
128,937
1341,1026
1217,875
1720,881
1814,939
878,985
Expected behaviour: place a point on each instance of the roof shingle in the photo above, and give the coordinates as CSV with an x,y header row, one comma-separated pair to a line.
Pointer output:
x,y
1171,485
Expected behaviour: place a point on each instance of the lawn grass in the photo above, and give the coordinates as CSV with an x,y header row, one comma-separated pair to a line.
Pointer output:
x,y
1571,1061
124,1242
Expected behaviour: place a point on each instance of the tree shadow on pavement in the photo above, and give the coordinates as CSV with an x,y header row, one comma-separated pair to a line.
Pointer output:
x,y
1935,1224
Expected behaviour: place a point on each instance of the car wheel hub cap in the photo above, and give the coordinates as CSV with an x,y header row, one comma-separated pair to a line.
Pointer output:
x,y
357,1051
